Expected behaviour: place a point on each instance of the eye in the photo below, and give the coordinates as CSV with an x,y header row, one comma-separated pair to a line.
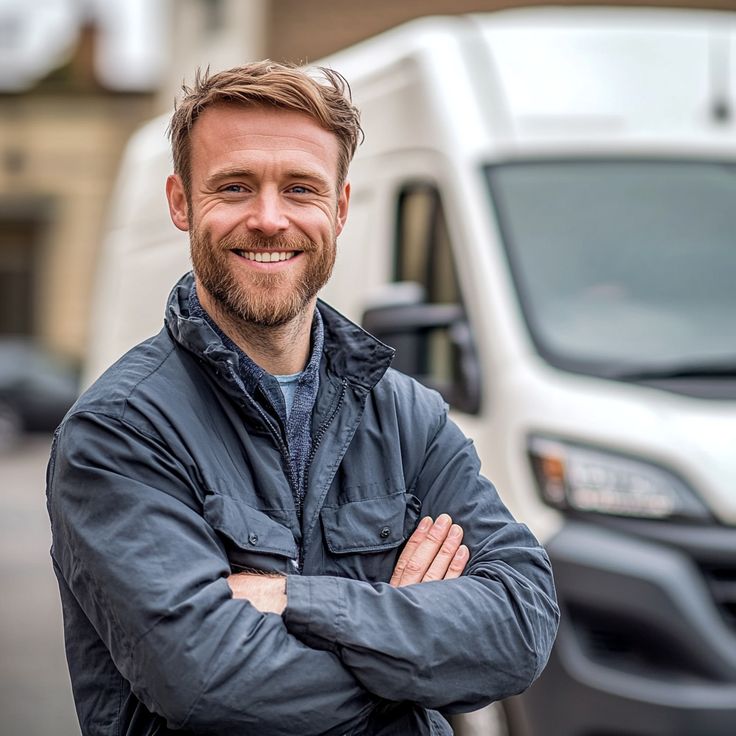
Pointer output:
x,y
233,188
299,189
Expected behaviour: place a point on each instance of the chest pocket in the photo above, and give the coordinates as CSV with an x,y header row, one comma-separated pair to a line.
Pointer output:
x,y
253,540
363,537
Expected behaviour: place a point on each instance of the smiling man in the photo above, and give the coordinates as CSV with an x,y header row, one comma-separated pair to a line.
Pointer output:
x,y
258,526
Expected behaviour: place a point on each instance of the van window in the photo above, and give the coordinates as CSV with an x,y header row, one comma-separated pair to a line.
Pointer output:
x,y
423,249
625,268
424,256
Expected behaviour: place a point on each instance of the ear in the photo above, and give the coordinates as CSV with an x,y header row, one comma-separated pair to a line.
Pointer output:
x,y
343,200
178,205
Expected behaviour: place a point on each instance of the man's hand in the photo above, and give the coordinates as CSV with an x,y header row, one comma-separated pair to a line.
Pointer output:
x,y
267,593
433,552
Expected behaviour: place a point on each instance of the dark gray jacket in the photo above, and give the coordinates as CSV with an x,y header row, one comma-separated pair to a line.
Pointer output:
x,y
165,477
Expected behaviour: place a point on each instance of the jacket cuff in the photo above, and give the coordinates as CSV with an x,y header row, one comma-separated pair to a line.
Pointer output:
x,y
315,610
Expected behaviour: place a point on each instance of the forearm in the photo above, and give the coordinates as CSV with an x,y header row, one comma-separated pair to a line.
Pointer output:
x,y
457,643
213,664
265,592
271,683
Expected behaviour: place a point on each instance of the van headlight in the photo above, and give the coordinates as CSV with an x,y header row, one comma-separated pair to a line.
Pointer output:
x,y
575,477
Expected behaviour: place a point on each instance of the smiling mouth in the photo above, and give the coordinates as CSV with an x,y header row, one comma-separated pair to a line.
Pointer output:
x,y
265,256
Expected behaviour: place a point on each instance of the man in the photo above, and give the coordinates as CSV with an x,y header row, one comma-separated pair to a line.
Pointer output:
x,y
252,513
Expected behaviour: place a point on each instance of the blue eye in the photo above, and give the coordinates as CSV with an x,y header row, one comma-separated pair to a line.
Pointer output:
x,y
298,189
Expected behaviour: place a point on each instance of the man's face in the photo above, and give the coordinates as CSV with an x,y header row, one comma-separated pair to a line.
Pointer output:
x,y
264,211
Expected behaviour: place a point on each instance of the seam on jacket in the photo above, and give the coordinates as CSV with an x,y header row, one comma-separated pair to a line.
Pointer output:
x,y
441,421
148,375
341,616
122,420
401,492
124,400
120,702
120,415
358,550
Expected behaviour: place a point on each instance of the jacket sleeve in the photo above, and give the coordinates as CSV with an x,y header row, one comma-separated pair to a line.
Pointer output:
x,y
455,644
150,574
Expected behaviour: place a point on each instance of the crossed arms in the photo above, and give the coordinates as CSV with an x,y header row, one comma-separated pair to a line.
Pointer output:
x,y
433,552
151,576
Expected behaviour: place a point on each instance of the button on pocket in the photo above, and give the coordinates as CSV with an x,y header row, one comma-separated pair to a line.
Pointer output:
x,y
252,539
369,525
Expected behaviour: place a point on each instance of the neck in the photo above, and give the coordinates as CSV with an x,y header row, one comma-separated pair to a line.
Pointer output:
x,y
280,350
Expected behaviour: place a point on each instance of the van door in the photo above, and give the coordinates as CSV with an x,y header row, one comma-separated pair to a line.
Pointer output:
x,y
420,311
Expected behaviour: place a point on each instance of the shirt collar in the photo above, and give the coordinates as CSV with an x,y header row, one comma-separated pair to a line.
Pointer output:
x,y
252,375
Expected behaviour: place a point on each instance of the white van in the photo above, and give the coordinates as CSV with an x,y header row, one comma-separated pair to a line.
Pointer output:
x,y
543,222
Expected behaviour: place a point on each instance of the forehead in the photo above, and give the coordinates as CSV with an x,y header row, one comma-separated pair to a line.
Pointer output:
x,y
226,134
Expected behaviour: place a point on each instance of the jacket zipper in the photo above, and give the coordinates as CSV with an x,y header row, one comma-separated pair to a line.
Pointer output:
x,y
313,451
325,426
284,450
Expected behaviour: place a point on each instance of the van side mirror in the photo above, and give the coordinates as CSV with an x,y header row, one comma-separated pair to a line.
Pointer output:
x,y
433,343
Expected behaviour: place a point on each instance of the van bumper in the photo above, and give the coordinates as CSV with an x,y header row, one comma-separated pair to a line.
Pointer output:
x,y
647,639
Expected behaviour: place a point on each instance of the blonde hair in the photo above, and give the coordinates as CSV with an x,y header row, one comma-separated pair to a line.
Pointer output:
x,y
326,98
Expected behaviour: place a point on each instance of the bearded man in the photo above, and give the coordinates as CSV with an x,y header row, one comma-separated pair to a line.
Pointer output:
x,y
258,526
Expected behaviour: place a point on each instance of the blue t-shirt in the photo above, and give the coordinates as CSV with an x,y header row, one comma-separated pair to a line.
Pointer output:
x,y
288,385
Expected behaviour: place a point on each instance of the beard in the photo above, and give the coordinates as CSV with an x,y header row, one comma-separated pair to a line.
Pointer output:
x,y
261,298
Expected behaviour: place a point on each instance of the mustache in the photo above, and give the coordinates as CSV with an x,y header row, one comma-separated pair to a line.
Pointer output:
x,y
254,243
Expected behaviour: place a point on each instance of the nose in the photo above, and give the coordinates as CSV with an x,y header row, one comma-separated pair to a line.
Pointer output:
x,y
266,214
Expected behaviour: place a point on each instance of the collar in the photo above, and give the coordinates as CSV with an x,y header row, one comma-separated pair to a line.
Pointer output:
x,y
250,373
348,351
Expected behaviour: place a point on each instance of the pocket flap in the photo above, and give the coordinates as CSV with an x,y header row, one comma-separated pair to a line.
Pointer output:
x,y
246,527
371,525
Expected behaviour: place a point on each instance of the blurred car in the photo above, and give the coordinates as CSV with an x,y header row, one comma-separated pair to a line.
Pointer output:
x,y
36,389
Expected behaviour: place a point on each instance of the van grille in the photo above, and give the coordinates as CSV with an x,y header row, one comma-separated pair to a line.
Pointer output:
x,y
721,580
632,645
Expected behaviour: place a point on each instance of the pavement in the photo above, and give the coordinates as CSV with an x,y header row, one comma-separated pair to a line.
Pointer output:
x,y
35,695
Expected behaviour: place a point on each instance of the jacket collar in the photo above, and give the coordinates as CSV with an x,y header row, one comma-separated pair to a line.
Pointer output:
x,y
349,351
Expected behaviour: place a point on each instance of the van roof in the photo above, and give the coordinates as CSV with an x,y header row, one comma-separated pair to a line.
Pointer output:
x,y
560,77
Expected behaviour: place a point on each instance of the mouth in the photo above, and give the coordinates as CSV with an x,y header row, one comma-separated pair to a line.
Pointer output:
x,y
266,256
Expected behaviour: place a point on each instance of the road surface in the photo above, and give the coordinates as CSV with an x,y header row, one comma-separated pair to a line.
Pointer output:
x,y
35,695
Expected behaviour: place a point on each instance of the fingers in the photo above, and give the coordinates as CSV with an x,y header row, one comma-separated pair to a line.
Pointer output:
x,y
425,552
459,560
433,552
419,535
440,564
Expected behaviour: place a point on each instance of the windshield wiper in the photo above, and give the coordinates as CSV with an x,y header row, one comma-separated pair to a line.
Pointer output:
x,y
720,369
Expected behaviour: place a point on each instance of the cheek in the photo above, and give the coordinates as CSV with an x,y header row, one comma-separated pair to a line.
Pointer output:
x,y
320,225
217,219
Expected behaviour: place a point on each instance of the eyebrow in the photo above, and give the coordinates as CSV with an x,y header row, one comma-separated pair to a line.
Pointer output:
x,y
308,176
238,172
234,172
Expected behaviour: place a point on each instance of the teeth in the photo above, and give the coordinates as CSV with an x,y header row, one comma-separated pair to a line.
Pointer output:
x,y
266,256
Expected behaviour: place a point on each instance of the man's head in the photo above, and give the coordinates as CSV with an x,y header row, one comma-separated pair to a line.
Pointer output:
x,y
260,157
324,97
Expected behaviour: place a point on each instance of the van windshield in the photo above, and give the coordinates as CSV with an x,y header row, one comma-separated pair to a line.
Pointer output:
x,y
625,269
